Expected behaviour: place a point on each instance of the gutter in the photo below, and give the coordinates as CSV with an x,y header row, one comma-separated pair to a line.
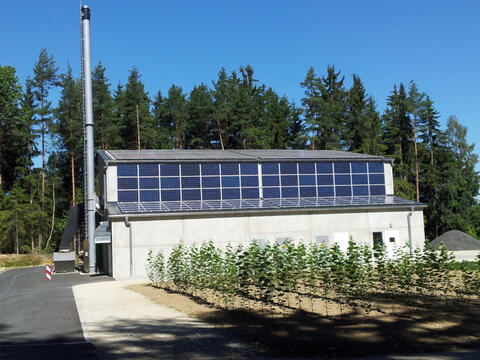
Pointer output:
x,y
105,167
130,243
410,240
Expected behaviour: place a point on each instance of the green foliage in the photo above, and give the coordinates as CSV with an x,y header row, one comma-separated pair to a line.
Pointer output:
x,y
272,273
11,136
155,268
236,111
325,108
107,127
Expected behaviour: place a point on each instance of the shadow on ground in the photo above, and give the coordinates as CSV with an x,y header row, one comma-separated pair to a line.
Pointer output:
x,y
167,339
405,325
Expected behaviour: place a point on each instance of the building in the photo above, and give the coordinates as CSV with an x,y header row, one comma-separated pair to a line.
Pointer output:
x,y
153,199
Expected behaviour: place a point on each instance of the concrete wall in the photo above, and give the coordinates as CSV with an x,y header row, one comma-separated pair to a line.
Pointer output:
x,y
388,171
162,234
466,255
111,183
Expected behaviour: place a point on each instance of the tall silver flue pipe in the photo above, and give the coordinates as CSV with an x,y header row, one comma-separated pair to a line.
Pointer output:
x,y
89,145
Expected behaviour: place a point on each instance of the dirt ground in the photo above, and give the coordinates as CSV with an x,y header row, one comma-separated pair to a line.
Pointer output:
x,y
324,328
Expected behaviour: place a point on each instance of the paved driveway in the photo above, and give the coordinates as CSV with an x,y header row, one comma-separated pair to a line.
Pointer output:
x,y
39,318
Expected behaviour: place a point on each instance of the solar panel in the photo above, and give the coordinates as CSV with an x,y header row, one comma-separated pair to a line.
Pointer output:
x,y
249,204
225,181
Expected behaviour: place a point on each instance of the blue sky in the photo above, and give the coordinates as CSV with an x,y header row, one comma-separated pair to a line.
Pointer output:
x,y
434,43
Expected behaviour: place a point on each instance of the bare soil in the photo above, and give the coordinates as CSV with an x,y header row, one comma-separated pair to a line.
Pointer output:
x,y
323,327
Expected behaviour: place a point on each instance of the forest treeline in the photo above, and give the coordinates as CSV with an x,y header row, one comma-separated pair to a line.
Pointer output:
x,y
235,111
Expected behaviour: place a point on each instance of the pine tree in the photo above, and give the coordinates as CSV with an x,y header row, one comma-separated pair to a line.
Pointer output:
x,y
69,128
10,95
27,133
373,142
325,109
429,127
177,115
119,113
434,162
107,128
311,107
25,171
200,124
296,128
138,131
45,77
165,138
222,101
460,183
275,122
398,140
415,104
246,110
13,216
356,127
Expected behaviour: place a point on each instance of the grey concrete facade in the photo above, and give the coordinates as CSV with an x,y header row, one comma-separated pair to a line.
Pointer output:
x,y
162,234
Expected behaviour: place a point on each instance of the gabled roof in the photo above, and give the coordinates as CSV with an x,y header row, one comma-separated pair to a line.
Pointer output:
x,y
122,156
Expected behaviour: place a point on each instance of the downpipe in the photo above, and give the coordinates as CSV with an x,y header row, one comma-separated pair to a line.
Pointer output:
x,y
130,241
409,221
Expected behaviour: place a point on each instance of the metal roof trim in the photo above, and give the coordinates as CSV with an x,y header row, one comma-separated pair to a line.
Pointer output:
x,y
240,212
211,155
114,211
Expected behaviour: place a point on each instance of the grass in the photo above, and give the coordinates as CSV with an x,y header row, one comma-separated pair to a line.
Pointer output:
x,y
10,261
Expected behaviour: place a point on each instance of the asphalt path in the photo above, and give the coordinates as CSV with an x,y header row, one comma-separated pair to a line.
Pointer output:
x,y
39,318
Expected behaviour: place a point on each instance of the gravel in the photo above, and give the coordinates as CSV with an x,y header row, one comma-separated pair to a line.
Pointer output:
x,y
455,240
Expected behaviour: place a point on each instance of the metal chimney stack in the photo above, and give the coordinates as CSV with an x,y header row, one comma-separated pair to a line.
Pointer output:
x,y
89,145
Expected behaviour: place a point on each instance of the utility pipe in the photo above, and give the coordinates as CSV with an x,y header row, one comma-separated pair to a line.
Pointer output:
x,y
89,151
130,243
410,241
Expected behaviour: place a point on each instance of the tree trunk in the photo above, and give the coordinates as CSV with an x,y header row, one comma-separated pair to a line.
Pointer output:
x,y
73,180
53,215
43,164
72,166
1,179
40,235
102,144
138,128
219,132
416,161
16,231
177,135
32,241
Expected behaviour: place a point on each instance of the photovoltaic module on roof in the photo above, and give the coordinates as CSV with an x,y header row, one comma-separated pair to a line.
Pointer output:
x,y
144,182
251,204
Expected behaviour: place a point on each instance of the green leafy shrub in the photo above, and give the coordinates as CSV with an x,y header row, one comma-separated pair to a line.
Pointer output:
x,y
274,274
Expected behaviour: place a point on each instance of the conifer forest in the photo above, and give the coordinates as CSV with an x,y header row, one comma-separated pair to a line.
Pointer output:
x,y
434,163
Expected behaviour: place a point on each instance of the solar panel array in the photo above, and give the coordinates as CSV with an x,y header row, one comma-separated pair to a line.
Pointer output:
x,y
187,186
163,182
216,205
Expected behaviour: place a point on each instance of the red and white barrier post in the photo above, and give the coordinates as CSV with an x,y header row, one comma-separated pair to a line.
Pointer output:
x,y
48,271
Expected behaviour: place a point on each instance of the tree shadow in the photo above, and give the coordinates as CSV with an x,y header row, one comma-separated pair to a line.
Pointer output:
x,y
166,339
405,324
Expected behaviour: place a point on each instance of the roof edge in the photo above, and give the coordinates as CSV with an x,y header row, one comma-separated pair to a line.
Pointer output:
x,y
247,157
263,211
